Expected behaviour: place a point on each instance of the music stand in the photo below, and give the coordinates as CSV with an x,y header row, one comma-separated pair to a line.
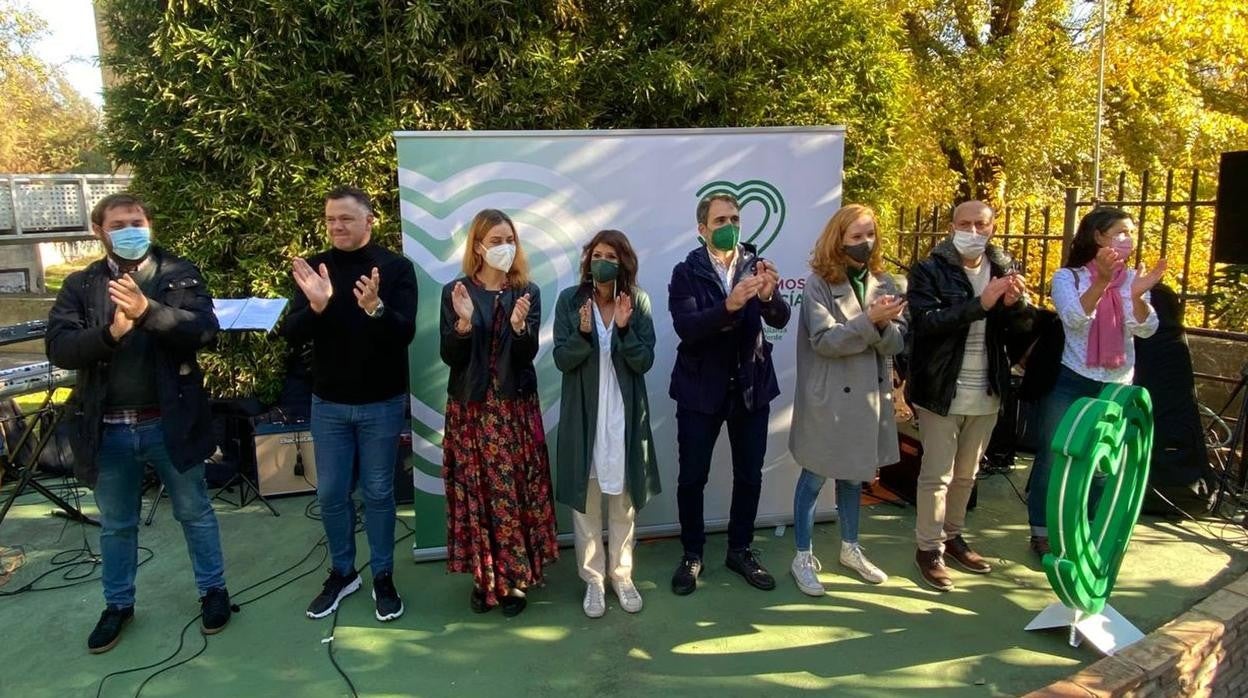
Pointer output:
x,y
243,315
236,414
27,478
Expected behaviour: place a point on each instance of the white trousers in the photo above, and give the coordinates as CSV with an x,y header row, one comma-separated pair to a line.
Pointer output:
x,y
591,557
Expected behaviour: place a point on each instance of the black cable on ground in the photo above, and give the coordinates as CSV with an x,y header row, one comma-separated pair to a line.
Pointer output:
x,y
330,651
68,562
987,470
1240,539
66,567
236,605
323,544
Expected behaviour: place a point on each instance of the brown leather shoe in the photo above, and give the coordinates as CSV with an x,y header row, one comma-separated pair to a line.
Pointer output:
x,y
1040,545
931,565
966,558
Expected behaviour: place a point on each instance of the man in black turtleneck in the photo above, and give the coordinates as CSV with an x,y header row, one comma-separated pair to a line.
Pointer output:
x,y
357,305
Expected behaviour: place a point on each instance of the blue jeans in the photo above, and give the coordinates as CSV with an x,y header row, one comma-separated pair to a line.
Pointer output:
x,y
1070,386
341,436
124,451
848,505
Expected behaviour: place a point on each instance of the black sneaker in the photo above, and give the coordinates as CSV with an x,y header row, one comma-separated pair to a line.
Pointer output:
x,y
745,563
685,578
513,605
337,588
389,605
477,602
108,631
215,611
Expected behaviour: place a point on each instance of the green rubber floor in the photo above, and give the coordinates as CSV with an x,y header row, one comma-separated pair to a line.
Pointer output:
x,y
725,640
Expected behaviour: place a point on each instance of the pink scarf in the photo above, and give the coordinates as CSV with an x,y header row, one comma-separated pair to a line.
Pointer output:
x,y
1106,341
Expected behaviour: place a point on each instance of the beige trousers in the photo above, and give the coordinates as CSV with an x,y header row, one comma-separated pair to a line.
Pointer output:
x,y
590,553
952,447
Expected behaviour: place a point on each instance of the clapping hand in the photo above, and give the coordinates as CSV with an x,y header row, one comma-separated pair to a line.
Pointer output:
x,y
314,284
520,314
623,310
1017,290
994,291
461,302
128,297
770,278
1144,281
586,314
885,309
745,289
1106,263
366,288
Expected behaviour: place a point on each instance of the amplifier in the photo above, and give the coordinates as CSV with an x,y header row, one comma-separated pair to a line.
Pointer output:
x,y
285,459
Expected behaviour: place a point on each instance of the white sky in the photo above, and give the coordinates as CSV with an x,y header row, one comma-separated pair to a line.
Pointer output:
x,y
69,42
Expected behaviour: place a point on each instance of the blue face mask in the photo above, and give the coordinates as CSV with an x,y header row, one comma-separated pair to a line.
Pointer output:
x,y
130,243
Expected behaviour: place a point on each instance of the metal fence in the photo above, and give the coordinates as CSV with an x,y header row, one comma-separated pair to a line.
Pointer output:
x,y
47,208
1177,225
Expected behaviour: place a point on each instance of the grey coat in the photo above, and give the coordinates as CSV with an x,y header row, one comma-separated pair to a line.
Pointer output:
x,y
843,425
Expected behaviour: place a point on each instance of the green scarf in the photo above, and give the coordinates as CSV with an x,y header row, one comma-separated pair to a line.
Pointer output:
x,y
858,280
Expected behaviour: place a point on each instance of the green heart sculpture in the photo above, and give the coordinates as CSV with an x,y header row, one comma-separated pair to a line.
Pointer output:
x,y
754,191
1110,434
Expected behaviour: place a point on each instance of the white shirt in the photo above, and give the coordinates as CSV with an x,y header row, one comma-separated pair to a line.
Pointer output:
x,y
608,458
970,396
725,271
1068,286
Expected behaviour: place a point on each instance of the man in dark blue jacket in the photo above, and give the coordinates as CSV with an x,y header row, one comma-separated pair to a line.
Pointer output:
x,y
130,325
719,298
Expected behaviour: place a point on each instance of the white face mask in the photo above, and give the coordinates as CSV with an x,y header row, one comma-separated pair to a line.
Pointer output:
x,y
501,256
970,244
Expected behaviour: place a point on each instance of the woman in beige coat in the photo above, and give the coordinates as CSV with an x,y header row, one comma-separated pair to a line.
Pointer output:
x,y
843,428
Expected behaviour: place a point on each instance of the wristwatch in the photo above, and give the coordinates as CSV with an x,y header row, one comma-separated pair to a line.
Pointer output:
x,y
381,308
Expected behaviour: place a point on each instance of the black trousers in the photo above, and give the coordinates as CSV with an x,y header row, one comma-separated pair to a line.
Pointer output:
x,y
696,434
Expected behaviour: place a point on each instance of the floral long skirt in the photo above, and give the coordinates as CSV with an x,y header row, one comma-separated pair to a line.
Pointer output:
x,y
500,516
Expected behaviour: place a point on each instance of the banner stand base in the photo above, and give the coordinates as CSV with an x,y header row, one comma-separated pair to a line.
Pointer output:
x,y
1108,631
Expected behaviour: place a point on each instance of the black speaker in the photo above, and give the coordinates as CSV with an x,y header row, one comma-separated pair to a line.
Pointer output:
x,y
1230,223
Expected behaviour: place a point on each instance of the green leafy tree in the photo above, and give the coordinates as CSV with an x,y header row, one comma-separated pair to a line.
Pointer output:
x,y
48,126
237,117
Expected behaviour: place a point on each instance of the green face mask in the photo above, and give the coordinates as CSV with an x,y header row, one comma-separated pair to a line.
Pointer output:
x,y
603,270
725,238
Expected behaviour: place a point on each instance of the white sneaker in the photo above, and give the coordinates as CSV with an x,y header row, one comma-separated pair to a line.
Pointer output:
x,y
595,603
626,592
805,569
853,558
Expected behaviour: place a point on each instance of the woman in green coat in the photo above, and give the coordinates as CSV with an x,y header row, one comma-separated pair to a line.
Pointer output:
x,y
604,345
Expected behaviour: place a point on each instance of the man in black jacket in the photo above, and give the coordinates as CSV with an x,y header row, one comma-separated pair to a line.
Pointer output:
x,y
964,300
357,305
130,325
719,298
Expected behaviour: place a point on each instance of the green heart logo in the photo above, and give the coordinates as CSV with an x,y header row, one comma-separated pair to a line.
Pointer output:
x,y
751,192
1110,434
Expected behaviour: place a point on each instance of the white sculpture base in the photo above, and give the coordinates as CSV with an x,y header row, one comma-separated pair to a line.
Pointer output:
x,y
1108,631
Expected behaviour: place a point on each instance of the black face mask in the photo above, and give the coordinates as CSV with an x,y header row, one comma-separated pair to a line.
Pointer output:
x,y
860,253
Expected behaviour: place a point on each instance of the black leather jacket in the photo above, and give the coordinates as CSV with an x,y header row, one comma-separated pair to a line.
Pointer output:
x,y
469,357
942,307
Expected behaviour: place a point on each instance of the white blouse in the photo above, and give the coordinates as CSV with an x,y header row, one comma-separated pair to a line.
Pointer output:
x,y
609,452
1068,285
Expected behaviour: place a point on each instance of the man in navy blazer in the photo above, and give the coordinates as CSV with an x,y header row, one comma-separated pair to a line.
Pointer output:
x,y
719,298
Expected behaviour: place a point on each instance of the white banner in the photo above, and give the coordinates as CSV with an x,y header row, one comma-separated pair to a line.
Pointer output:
x,y
563,186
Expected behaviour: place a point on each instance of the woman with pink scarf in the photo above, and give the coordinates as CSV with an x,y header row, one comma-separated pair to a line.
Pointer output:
x,y
1103,304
